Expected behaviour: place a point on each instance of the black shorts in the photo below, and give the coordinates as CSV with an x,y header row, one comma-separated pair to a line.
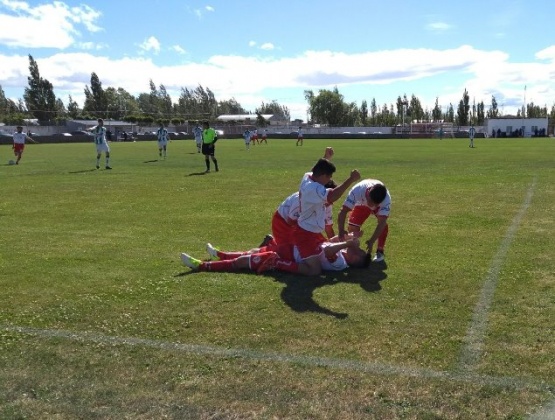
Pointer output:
x,y
208,149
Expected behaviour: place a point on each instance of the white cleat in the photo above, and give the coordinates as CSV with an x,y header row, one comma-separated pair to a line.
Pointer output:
x,y
190,261
213,252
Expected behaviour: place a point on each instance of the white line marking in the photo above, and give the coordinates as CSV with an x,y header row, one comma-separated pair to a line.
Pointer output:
x,y
343,364
472,350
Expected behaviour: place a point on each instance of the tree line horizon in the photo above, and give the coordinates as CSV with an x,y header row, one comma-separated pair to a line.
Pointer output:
x,y
327,107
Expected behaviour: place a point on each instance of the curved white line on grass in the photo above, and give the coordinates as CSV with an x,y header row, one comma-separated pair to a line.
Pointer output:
x,y
343,364
472,350
548,413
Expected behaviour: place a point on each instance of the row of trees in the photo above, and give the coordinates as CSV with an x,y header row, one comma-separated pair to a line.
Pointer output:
x,y
40,102
326,107
329,107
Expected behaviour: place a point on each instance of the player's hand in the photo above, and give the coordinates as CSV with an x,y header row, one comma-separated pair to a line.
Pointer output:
x,y
353,243
355,175
328,154
369,246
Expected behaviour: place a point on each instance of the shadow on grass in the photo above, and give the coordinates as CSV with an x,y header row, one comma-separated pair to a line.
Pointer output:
x,y
151,161
198,173
298,292
84,171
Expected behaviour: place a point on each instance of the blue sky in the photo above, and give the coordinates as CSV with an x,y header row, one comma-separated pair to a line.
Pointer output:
x,y
258,51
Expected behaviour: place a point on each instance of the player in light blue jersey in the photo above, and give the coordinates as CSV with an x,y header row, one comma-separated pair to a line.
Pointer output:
x,y
471,134
197,131
99,134
163,138
247,137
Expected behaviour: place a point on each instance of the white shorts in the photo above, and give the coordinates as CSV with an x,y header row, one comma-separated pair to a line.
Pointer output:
x,y
102,147
162,143
199,142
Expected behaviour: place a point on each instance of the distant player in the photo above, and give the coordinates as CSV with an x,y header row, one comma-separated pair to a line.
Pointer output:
x,y
264,136
300,137
471,133
197,131
99,134
163,138
247,137
19,138
209,139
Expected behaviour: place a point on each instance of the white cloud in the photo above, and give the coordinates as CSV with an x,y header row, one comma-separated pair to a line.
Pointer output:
x,y
54,25
252,43
150,44
438,26
267,46
210,9
178,49
252,80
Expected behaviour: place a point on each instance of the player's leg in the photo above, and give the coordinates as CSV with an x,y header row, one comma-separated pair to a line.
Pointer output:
x,y
380,254
108,159
98,156
213,157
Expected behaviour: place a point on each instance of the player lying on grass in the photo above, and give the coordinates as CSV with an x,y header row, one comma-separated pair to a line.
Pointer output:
x,y
335,255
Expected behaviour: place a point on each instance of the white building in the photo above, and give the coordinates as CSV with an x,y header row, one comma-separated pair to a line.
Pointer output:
x,y
516,127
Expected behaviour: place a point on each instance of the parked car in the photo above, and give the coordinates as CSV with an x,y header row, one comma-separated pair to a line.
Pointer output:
x,y
220,132
182,133
62,135
81,133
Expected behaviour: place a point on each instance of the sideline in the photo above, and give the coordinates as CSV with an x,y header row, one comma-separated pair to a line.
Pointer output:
x,y
310,361
474,340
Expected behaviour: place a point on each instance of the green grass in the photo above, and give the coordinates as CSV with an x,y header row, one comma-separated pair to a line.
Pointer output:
x,y
96,253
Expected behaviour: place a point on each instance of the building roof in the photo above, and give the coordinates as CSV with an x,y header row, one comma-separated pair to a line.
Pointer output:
x,y
242,117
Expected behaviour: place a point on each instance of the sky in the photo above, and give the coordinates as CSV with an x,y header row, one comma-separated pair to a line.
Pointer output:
x,y
258,51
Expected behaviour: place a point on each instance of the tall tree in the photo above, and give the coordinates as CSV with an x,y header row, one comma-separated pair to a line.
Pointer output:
x,y
39,95
373,111
73,108
493,112
463,109
364,113
436,112
480,113
231,106
96,101
274,108
327,107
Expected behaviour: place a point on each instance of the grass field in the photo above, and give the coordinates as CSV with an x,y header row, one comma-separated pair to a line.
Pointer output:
x,y
99,319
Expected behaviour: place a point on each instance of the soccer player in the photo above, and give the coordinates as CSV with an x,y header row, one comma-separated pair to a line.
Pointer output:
x,y
163,137
19,138
209,139
264,136
314,197
300,137
247,137
197,131
367,197
334,256
285,219
471,133
99,134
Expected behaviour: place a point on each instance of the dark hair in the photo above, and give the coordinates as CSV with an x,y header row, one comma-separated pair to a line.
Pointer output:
x,y
377,193
323,167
